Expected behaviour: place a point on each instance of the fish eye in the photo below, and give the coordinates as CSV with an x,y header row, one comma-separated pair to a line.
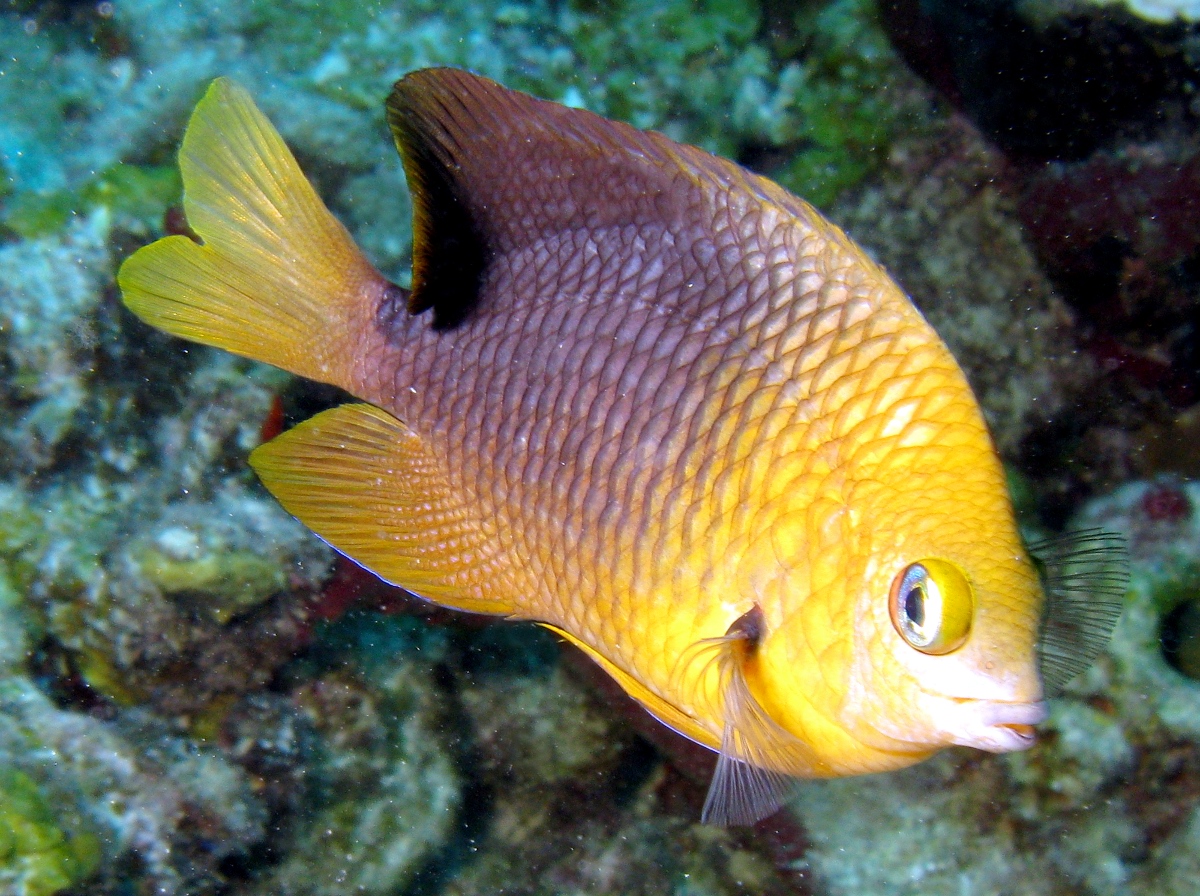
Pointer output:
x,y
932,606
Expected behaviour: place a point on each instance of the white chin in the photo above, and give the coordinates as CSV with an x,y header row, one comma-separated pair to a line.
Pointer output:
x,y
996,727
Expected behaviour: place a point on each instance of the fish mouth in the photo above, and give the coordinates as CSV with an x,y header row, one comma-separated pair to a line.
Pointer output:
x,y
998,727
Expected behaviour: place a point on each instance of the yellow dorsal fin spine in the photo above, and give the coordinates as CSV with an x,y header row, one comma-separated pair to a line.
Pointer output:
x,y
277,278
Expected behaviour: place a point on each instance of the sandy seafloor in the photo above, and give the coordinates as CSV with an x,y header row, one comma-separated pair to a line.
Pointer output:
x,y
196,698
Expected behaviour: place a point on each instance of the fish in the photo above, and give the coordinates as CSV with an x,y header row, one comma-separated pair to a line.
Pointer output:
x,y
653,402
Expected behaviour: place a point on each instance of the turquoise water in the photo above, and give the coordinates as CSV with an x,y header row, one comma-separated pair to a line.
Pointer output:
x,y
197,697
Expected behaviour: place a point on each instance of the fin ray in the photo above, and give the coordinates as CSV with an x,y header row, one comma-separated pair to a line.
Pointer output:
x,y
1086,575
369,486
748,783
757,755
277,278
742,793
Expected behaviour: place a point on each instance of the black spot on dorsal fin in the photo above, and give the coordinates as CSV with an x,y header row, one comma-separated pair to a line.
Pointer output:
x,y
450,249
492,170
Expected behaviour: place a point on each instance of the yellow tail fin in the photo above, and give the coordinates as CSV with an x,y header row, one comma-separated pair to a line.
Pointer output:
x,y
277,278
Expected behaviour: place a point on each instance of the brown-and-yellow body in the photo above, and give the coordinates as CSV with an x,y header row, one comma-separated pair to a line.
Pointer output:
x,y
662,406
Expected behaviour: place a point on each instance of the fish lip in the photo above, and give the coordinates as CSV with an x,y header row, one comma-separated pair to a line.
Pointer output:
x,y
999,727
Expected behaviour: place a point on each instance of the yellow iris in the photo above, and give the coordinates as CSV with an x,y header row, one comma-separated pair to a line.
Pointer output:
x,y
932,606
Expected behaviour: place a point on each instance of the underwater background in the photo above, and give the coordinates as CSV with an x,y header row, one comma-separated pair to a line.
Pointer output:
x,y
197,697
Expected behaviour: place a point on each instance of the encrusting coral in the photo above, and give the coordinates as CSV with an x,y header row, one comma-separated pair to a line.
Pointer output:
x,y
177,710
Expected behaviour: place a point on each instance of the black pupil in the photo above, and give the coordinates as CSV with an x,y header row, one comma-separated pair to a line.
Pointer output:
x,y
914,605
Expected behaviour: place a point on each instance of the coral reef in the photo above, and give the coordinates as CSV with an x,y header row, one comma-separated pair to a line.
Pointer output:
x,y
52,288
814,98
186,707
1094,110
385,788
82,797
97,687
43,850
842,99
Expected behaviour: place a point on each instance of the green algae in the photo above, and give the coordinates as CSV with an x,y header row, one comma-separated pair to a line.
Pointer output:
x,y
38,856
137,195
80,794
676,66
222,582
22,537
840,111
16,624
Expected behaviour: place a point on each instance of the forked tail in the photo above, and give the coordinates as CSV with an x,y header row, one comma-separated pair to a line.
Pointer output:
x,y
276,277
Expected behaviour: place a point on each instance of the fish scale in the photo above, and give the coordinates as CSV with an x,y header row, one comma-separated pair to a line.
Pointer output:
x,y
643,397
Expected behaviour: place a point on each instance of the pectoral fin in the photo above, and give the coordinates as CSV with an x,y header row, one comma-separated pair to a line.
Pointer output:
x,y
757,756
1085,575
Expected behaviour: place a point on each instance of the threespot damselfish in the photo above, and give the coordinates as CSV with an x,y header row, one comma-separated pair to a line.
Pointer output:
x,y
654,402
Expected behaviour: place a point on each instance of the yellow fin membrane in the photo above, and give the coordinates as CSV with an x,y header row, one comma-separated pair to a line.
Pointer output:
x,y
277,277
369,486
670,715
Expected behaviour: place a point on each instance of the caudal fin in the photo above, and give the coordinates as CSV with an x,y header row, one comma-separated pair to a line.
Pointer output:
x,y
276,277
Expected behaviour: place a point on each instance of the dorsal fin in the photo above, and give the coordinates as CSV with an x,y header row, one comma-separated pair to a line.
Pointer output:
x,y
491,170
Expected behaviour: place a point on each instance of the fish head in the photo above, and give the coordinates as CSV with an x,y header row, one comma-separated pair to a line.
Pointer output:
x,y
945,651
945,621
911,621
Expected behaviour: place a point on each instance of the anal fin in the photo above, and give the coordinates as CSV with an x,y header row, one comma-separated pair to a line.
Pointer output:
x,y
670,715
372,488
